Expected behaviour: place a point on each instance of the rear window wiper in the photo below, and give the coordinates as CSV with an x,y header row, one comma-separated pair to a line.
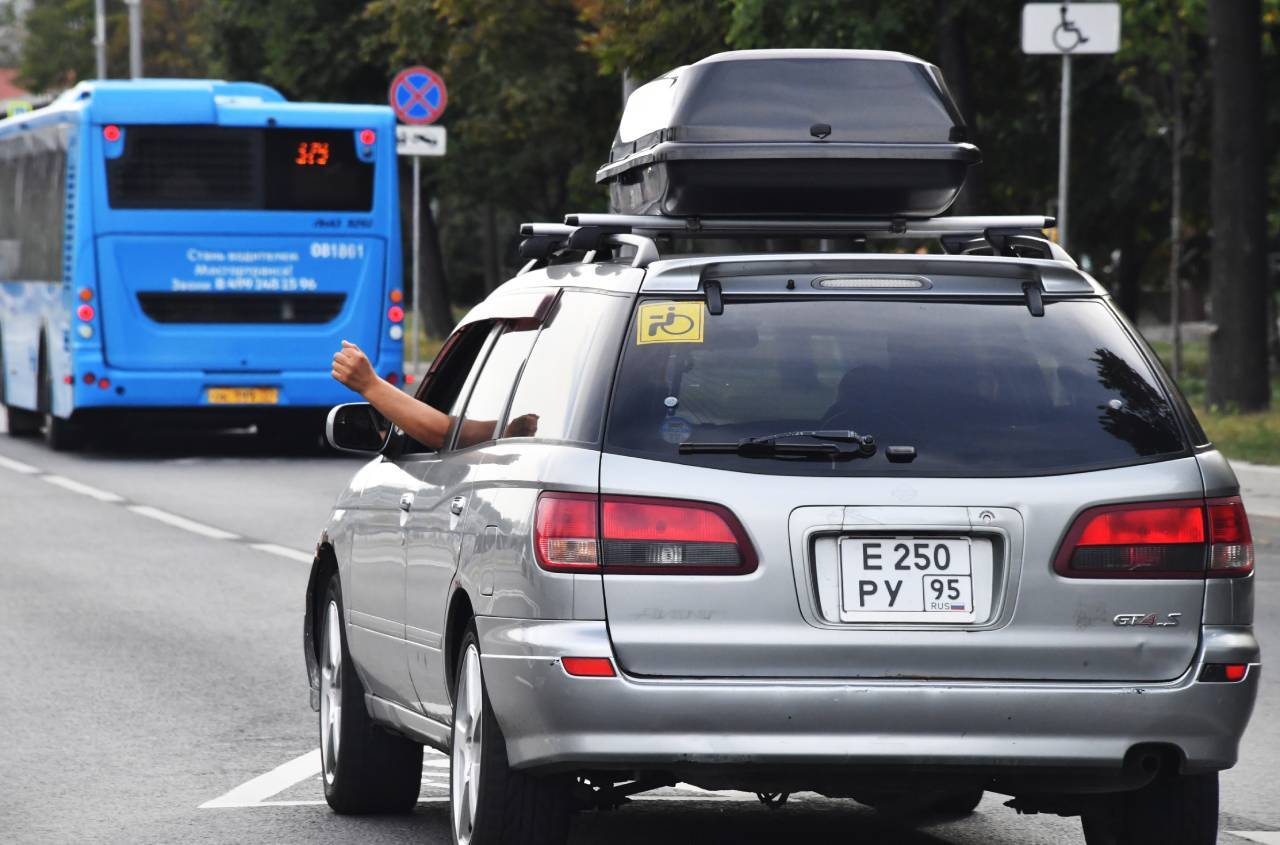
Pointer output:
x,y
804,444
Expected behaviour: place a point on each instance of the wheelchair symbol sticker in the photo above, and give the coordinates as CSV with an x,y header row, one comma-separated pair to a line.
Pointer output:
x,y
670,322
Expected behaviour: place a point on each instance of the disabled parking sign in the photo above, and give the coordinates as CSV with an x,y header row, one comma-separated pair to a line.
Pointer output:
x,y
670,322
418,95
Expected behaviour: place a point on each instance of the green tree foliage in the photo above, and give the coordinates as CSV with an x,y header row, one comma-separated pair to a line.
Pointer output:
x,y
535,92
58,50
59,44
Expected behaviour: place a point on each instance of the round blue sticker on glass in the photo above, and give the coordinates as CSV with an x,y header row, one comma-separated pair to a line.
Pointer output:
x,y
676,430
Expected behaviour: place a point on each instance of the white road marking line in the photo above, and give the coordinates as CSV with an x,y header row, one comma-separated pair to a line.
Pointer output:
x,y
18,466
284,551
83,489
181,522
1266,837
253,792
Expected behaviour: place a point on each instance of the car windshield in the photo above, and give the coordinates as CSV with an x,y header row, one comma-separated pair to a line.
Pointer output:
x,y
977,389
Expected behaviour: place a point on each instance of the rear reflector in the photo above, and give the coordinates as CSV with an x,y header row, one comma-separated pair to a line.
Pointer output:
x,y
577,532
1177,539
588,667
1224,673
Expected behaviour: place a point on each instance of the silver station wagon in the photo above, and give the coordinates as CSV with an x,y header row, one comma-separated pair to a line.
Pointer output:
x,y
894,527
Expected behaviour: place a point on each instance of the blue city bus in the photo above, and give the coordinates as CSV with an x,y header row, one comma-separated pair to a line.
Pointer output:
x,y
193,250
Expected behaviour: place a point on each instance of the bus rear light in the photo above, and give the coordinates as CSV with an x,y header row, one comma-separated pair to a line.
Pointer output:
x,y
396,332
397,295
588,667
1177,539
367,137
393,377
111,133
564,532
1224,673
85,294
104,383
408,378
1231,549
395,313
68,379
85,312
85,331
89,378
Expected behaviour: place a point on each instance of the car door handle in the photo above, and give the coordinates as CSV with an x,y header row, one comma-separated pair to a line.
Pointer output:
x,y
406,502
458,505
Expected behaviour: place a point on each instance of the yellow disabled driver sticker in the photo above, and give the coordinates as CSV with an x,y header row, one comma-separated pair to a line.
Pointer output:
x,y
670,322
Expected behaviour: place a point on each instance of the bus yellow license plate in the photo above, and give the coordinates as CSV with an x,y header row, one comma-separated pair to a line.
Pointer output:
x,y
244,395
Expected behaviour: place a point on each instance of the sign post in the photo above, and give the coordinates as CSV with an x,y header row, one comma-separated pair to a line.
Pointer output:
x,y
418,96
1065,30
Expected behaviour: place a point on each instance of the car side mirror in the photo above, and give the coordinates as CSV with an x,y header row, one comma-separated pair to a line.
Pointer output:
x,y
357,427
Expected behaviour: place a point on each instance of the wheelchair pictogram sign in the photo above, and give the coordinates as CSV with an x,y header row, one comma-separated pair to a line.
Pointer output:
x,y
670,322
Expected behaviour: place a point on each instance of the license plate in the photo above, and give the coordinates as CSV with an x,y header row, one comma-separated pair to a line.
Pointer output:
x,y
906,579
244,395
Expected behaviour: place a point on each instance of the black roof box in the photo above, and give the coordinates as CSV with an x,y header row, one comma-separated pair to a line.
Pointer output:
x,y
842,132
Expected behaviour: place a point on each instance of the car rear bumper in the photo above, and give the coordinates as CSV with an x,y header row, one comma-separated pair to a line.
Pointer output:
x,y
551,719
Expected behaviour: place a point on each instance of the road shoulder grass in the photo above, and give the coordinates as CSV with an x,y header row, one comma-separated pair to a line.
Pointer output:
x,y
1247,437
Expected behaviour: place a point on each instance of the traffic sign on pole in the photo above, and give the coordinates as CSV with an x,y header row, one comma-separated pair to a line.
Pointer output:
x,y
421,140
418,95
1064,30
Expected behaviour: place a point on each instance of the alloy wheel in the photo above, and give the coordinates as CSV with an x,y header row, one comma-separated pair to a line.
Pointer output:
x,y
468,724
331,692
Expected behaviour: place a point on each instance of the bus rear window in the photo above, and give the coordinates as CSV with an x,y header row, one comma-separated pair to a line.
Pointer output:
x,y
219,167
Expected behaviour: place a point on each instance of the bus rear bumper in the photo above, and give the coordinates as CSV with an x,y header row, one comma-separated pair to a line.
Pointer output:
x,y
194,390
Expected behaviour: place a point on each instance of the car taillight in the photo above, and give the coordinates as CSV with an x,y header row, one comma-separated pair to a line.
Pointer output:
x,y
576,532
1231,549
1178,539
565,532
672,537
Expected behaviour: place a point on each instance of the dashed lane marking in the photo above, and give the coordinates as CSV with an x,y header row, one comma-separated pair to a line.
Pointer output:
x,y
254,792
290,781
18,466
171,519
283,551
1265,837
183,523
83,489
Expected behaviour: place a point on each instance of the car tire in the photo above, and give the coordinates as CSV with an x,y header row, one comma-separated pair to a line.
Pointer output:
x,y
489,803
959,804
366,768
1172,808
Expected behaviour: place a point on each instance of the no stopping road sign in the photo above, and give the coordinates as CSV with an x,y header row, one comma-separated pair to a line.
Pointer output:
x,y
418,95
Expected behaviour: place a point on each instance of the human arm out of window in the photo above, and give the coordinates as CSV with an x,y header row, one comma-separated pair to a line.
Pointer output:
x,y
423,423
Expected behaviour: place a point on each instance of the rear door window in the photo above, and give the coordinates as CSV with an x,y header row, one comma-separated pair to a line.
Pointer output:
x,y
482,421
978,389
565,385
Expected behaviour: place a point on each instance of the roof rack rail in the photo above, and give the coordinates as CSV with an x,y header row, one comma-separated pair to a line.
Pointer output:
x,y
1018,236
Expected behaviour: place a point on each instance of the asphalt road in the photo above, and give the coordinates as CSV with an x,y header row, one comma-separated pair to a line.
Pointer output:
x,y
152,687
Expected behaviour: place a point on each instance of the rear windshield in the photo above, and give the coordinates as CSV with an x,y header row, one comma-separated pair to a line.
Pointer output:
x,y
977,389
240,168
